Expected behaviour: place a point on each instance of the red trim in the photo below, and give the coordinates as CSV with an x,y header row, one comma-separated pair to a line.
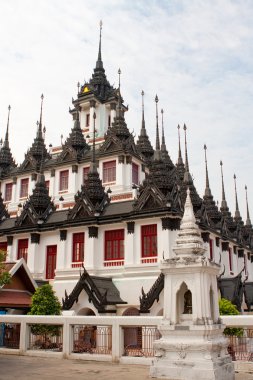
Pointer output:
x,y
109,171
114,245
78,247
51,261
24,187
149,240
23,249
135,173
8,192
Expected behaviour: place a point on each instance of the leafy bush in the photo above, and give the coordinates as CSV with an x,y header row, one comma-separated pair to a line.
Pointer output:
x,y
227,308
45,302
4,275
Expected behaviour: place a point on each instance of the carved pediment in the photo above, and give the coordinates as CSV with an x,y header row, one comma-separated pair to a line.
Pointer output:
x,y
150,198
83,208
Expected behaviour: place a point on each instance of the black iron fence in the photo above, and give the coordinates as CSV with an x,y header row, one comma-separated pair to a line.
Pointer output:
x,y
138,341
9,335
241,345
92,339
45,337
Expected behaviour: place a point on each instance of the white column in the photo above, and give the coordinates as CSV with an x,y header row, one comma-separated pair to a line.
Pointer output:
x,y
129,244
61,259
92,110
113,112
91,243
10,249
31,257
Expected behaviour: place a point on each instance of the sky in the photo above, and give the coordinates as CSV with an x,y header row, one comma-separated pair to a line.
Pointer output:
x,y
197,56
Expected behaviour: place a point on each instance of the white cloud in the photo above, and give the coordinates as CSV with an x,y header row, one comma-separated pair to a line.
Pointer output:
x,y
197,56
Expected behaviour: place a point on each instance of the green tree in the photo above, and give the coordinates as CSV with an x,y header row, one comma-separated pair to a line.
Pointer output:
x,y
45,302
4,274
228,308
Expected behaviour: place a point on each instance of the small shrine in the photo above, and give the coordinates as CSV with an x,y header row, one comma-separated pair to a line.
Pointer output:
x,y
192,345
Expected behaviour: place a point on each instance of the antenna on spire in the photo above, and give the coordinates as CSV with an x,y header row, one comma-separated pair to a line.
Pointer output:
x,y
207,189
163,138
78,87
157,146
186,154
143,118
248,221
119,72
7,128
39,131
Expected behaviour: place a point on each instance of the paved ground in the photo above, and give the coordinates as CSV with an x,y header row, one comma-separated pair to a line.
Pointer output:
x,y
24,368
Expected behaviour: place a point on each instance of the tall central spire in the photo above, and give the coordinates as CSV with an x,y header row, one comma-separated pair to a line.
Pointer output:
x,y
157,143
180,160
39,132
248,221
143,143
143,128
224,205
93,167
6,141
186,153
237,212
99,63
207,189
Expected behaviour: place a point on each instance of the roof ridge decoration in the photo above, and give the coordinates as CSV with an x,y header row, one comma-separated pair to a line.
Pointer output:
x,y
143,143
147,299
38,151
98,85
99,300
39,205
6,160
92,199
164,152
228,225
75,146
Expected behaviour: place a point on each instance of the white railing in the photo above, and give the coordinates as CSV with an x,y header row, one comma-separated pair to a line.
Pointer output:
x,y
126,339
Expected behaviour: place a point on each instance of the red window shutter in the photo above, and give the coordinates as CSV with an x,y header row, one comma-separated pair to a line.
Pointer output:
x,y
149,240
51,261
135,173
8,192
78,247
114,245
22,249
230,259
24,187
109,171
47,183
64,180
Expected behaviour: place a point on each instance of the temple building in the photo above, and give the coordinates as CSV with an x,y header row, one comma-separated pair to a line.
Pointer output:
x,y
95,216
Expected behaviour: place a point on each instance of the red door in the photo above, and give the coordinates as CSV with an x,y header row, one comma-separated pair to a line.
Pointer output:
x,y
51,261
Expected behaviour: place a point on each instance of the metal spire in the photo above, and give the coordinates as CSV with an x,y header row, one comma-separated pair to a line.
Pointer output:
x,y
157,145
93,168
6,141
237,212
163,138
186,154
180,160
223,200
248,221
207,189
99,63
143,129
39,132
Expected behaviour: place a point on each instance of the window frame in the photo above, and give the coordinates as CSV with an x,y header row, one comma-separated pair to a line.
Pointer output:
x,y
211,246
85,172
135,173
8,189
62,185
149,240
78,241
22,251
87,120
109,171
51,258
24,188
114,245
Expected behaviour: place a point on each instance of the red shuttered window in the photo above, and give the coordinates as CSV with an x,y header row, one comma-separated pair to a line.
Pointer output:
x,y
47,183
114,245
51,261
78,247
64,180
22,249
87,120
135,173
109,171
149,240
24,187
3,246
230,259
8,192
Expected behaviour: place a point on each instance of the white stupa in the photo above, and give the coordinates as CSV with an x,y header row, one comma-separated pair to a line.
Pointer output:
x,y
192,345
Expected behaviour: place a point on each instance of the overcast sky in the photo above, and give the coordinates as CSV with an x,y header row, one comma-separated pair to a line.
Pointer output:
x,y
197,56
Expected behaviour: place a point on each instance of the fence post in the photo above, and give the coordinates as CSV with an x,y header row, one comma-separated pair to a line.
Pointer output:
x,y
66,338
116,341
24,336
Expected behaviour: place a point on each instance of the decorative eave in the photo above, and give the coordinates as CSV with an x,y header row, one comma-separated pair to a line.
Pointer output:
x,y
232,289
99,300
3,211
147,299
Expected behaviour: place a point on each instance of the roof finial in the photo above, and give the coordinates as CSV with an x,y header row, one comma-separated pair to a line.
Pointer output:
x,y
163,138
248,221
6,142
223,200
180,160
39,132
157,145
186,154
99,63
143,118
119,72
207,189
237,212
